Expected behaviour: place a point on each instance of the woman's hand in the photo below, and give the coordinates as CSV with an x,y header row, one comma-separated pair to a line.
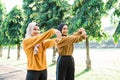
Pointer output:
x,y
58,33
82,32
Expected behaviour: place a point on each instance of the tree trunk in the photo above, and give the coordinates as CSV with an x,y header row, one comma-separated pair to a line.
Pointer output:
x,y
0,51
8,57
88,61
54,54
18,51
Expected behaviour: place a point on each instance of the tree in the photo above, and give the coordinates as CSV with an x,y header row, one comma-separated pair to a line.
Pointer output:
x,y
30,13
13,28
87,14
5,36
48,13
51,14
2,15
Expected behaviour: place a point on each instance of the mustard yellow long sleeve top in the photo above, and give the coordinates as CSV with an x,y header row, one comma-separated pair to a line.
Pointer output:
x,y
38,61
66,44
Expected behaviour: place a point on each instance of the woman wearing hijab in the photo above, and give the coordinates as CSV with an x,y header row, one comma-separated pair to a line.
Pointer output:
x,y
35,45
65,62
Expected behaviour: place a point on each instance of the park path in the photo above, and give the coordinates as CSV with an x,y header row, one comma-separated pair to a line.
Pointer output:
x,y
8,72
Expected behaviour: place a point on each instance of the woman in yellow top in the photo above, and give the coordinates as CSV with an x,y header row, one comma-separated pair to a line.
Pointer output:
x,y
65,62
35,45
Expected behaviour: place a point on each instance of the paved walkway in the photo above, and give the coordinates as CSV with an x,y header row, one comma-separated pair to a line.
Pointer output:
x,y
8,72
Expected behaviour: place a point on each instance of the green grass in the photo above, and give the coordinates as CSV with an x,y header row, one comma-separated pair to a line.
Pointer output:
x,y
105,64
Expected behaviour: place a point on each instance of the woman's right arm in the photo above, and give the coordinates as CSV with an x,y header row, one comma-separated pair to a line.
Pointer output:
x,y
32,41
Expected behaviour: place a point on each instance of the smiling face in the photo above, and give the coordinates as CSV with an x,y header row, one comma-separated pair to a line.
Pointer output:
x,y
64,30
35,31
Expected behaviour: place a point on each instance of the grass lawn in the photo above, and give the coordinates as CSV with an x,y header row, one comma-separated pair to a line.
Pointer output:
x,y
105,63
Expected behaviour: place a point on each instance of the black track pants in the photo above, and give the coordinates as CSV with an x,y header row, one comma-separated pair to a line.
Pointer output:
x,y
36,75
65,68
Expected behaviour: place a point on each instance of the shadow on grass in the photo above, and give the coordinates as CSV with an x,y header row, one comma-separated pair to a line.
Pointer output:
x,y
83,72
52,64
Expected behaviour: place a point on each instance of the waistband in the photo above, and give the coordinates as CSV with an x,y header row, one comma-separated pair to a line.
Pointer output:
x,y
65,56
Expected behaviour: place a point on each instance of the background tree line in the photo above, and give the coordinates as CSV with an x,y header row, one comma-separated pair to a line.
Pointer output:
x,y
50,13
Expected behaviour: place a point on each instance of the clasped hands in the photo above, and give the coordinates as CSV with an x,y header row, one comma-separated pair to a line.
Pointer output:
x,y
81,31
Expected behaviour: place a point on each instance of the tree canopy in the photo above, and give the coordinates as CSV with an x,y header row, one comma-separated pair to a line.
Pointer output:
x,y
87,14
2,16
13,26
48,13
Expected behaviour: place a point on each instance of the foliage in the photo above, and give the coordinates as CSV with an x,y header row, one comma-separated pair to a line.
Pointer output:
x,y
2,12
2,15
51,13
114,4
116,35
13,26
110,4
87,14
29,11
48,13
